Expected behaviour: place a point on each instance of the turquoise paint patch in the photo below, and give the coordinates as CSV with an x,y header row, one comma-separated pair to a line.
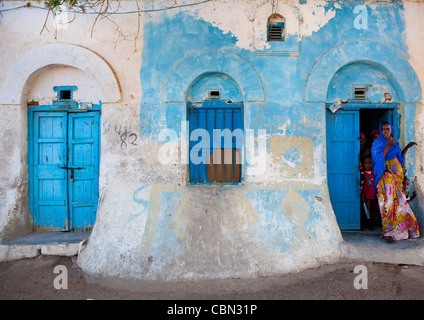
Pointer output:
x,y
168,42
275,230
339,43
165,243
317,222
174,113
180,48
144,202
293,157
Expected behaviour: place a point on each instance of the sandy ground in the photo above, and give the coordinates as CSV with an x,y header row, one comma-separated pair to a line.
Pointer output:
x,y
30,279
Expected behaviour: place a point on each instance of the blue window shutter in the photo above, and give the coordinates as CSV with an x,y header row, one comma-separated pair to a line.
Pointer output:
x,y
212,115
275,31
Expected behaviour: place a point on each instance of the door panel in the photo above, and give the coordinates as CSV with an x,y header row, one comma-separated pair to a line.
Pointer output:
x,y
50,183
83,156
64,156
342,166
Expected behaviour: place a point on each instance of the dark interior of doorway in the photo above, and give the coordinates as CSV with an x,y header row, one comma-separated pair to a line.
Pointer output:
x,y
369,120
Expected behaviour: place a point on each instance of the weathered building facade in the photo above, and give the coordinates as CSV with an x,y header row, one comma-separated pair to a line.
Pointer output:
x,y
107,124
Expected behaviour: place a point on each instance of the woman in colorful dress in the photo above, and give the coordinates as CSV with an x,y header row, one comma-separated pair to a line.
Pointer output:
x,y
398,220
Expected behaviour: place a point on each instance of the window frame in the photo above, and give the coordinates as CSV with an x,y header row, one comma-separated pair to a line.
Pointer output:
x,y
198,174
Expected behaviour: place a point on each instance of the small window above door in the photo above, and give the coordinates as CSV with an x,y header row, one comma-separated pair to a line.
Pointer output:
x,y
65,93
275,28
360,91
214,95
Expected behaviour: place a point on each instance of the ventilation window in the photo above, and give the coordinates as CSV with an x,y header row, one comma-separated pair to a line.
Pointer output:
x,y
65,93
360,92
214,95
275,28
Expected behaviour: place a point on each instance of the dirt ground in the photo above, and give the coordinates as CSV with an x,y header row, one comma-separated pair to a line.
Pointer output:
x,y
34,279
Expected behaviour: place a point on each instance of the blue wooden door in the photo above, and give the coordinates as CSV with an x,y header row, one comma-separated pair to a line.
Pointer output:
x,y
342,166
63,168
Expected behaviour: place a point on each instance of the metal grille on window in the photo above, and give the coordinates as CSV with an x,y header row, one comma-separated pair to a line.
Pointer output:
x,y
275,28
360,92
275,32
219,159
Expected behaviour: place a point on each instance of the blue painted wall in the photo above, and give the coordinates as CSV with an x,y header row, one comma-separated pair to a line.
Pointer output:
x,y
171,39
284,93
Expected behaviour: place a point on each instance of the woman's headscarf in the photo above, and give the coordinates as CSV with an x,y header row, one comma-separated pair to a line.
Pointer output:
x,y
378,159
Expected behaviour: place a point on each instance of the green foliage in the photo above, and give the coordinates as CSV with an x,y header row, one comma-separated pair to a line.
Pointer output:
x,y
54,5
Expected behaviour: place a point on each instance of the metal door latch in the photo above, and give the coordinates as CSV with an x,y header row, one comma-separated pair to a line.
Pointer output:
x,y
72,171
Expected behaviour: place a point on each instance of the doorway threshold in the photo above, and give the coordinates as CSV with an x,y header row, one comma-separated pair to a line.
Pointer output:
x,y
44,243
369,246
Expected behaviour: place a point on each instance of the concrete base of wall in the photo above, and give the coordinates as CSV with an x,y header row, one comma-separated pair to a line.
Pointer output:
x,y
46,243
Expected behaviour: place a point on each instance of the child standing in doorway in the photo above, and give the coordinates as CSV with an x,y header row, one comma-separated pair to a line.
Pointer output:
x,y
369,200
405,189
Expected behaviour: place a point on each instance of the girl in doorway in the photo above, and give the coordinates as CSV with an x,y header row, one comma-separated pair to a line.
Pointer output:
x,y
405,189
368,192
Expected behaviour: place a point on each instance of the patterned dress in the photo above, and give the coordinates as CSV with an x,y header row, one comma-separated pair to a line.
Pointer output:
x,y
398,220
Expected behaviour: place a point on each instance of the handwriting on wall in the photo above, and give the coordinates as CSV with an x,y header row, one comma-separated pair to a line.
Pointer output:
x,y
127,136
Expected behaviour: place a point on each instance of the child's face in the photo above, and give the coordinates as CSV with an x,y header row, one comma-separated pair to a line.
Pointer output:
x,y
405,184
374,137
368,164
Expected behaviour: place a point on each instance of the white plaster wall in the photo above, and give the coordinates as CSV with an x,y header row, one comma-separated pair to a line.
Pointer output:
x,y
41,88
108,41
13,173
414,19
247,20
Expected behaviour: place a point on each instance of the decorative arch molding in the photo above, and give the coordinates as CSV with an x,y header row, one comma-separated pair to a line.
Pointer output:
x,y
38,59
399,70
214,61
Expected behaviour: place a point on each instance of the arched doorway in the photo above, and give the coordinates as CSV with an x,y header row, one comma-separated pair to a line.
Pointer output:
x,y
63,163
361,90
53,64
365,62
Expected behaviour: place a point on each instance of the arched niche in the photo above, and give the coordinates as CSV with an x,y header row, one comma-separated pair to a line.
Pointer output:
x,y
398,69
38,60
220,83
213,61
358,74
